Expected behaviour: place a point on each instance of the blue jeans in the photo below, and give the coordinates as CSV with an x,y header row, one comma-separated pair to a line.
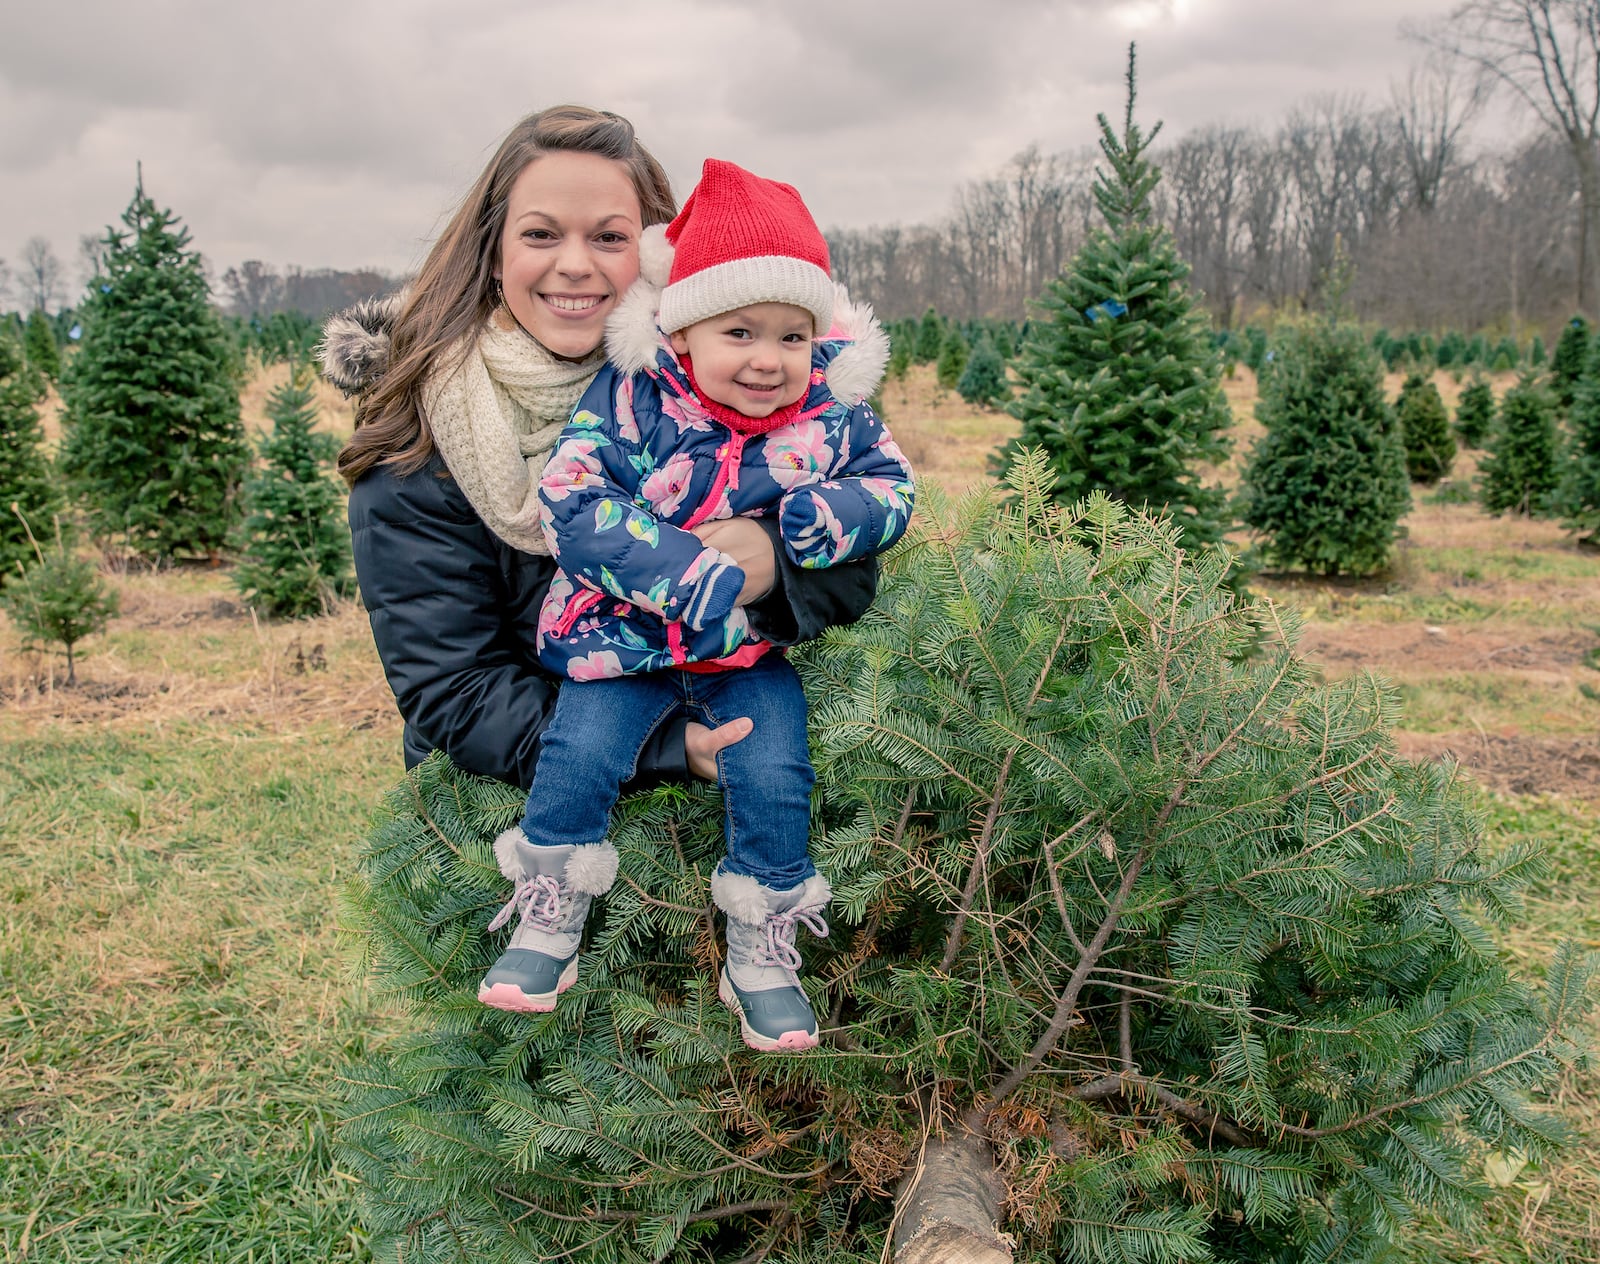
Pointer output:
x,y
599,727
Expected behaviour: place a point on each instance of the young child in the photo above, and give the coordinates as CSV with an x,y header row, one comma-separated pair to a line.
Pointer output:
x,y
737,388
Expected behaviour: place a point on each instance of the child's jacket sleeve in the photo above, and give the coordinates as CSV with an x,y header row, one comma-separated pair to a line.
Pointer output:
x,y
860,509
606,539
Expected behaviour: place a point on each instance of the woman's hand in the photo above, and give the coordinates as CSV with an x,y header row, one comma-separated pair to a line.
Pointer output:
x,y
749,546
700,744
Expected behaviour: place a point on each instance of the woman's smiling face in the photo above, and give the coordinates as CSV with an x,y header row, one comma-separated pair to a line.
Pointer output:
x,y
570,248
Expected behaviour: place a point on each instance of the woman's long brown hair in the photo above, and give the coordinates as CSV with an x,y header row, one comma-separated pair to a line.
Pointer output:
x,y
454,293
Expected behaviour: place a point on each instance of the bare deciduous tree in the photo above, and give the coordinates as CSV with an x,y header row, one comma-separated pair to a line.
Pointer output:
x,y
253,288
1432,109
41,273
1546,53
91,256
1205,186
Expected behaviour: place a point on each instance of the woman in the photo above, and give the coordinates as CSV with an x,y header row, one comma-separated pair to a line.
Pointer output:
x,y
466,382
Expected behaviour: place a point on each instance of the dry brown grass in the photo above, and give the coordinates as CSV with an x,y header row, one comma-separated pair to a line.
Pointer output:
x,y
334,413
183,650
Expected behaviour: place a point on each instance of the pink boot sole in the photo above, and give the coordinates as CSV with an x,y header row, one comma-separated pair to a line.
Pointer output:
x,y
508,997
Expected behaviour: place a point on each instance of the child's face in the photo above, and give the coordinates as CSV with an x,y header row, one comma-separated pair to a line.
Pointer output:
x,y
755,360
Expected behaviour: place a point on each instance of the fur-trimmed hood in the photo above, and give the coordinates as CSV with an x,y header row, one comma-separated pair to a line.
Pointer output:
x,y
354,350
634,342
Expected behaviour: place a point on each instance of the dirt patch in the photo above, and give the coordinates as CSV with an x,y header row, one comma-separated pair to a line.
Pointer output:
x,y
1513,763
1415,648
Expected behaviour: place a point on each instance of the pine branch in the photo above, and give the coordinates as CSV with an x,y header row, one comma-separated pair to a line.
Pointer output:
x,y
1116,1086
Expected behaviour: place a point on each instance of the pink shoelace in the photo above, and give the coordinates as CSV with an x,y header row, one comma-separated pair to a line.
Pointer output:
x,y
781,927
539,898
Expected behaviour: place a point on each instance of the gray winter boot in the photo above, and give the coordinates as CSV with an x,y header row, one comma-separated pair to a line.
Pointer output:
x,y
555,886
759,980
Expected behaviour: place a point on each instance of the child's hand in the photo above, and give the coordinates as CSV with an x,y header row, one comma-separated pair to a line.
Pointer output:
x,y
700,744
749,546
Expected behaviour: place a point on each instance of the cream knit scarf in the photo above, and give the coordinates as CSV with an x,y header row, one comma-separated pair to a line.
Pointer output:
x,y
495,417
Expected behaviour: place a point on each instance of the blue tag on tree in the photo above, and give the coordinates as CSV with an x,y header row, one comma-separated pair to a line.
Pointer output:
x,y
1111,308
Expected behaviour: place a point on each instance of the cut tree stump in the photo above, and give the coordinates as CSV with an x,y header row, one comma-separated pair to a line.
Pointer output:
x,y
949,1205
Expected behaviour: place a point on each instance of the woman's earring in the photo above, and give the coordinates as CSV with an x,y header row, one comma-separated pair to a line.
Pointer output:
x,y
499,293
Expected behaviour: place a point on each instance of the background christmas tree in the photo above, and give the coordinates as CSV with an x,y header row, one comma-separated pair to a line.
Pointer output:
x,y
1120,382
294,545
1568,362
1325,487
153,443
983,381
930,338
1519,472
1425,430
1475,413
28,492
39,346
952,358
1143,947
1579,491
899,358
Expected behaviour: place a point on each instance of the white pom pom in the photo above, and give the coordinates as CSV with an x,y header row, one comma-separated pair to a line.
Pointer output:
x,y
655,255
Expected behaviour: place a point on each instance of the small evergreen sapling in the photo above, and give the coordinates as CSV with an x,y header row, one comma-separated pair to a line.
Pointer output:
x,y
28,491
1475,413
294,543
1519,473
1120,384
1425,430
952,358
152,438
983,381
1325,487
59,600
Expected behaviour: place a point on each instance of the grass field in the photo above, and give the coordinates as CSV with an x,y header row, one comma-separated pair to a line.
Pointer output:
x,y
175,831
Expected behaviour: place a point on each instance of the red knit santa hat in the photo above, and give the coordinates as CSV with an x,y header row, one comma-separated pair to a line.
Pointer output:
x,y
741,240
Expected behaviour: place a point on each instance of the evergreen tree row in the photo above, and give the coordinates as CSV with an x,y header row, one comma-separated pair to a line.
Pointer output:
x,y
153,452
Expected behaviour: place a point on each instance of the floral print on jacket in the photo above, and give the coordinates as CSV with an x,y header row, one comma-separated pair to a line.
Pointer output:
x,y
643,460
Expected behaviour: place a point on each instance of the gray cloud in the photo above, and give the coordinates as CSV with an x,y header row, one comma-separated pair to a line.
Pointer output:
x,y
338,132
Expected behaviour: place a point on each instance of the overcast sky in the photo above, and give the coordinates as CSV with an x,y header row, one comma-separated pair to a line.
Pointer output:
x,y
337,133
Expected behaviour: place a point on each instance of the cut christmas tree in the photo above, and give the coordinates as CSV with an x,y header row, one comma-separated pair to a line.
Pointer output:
x,y
1142,948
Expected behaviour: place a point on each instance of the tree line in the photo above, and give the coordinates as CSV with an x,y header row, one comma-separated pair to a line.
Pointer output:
x,y
1476,243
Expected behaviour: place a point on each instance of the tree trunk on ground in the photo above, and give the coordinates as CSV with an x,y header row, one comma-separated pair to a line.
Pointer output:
x,y
948,1206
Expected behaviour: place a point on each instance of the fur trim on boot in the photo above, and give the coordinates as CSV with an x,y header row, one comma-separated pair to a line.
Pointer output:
x,y
593,868
354,350
505,853
744,899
